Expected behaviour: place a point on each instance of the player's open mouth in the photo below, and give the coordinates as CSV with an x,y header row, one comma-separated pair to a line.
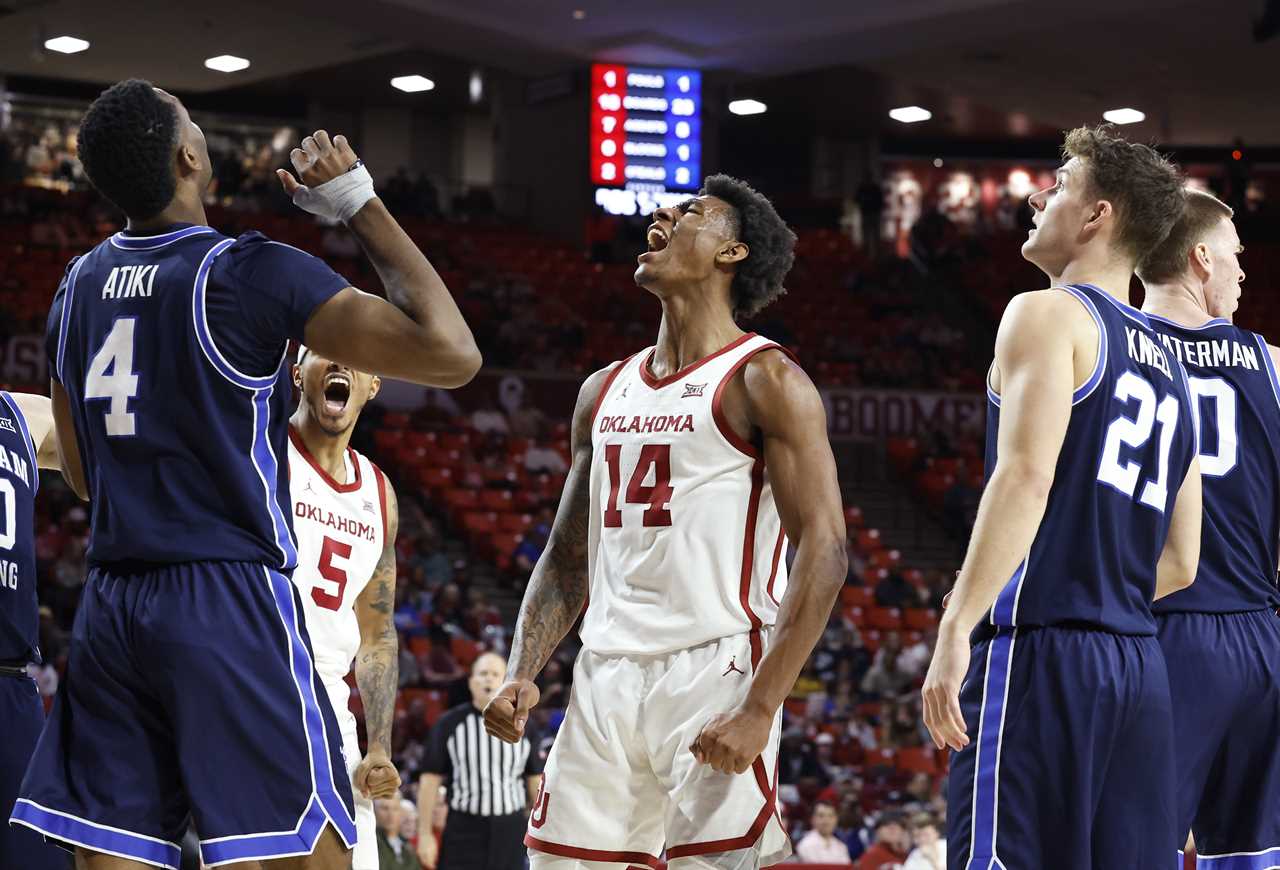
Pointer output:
x,y
657,238
337,390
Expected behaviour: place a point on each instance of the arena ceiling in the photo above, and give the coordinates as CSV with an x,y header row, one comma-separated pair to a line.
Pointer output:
x,y
995,67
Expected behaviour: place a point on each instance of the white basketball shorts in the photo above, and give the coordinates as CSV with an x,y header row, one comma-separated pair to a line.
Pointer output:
x,y
621,784
365,854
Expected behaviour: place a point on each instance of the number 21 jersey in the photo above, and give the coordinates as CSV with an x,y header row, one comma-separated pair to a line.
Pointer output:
x,y
1128,445
685,542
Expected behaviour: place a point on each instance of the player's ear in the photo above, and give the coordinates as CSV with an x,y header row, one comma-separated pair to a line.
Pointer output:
x,y
375,384
297,376
732,252
1098,215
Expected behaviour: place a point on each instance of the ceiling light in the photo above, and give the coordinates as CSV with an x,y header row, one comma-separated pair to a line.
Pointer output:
x,y
475,86
1124,116
579,14
910,114
227,63
66,44
747,107
412,84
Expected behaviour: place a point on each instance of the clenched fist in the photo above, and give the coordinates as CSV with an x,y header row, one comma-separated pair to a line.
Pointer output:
x,y
377,777
508,710
731,742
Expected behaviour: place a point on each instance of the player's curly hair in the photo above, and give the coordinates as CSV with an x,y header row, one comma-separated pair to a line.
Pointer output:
x,y
1144,187
758,279
126,144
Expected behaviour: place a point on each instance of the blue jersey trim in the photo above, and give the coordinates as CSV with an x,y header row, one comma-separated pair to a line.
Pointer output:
x,y
267,466
257,847
150,243
1266,859
1270,364
27,439
205,336
1005,609
100,838
985,818
1127,310
66,315
1217,321
1104,348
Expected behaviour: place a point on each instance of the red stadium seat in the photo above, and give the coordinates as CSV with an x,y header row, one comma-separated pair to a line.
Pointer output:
x,y
464,649
496,500
462,499
856,615
919,620
853,517
868,540
884,618
420,646
918,759
857,596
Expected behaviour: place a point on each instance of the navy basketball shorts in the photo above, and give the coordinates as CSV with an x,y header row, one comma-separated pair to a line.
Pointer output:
x,y
21,717
189,689
1069,765
1224,676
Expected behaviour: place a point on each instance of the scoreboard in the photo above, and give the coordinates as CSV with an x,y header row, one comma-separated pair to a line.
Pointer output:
x,y
646,136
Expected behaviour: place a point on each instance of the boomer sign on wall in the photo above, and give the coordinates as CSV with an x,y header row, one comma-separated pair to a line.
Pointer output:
x,y
873,415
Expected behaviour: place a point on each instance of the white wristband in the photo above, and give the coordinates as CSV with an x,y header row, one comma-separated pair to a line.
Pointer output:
x,y
338,198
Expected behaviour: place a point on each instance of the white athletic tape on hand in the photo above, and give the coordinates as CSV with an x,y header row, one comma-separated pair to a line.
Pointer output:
x,y
338,198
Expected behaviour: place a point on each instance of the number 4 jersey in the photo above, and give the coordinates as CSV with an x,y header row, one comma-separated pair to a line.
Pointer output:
x,y
341,528
171,349
685,541
1237,396
1128,445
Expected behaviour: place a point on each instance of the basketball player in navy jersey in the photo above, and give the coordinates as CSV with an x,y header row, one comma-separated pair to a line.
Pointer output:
x,y
1221,637
27,443
1060,713
191,690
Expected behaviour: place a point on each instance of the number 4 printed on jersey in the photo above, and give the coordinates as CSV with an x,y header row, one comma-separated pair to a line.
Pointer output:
x,y
653,457
111,376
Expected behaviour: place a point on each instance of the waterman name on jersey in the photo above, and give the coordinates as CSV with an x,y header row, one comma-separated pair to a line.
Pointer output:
x,y
1215,353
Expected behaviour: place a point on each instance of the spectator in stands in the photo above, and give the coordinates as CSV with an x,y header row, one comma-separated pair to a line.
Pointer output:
x,y
930,852
890,847
915,658
886,678
544,459
825,768
849,829
530,548
821,845
487,418
895,591
409,822
919,796
440,670
394,852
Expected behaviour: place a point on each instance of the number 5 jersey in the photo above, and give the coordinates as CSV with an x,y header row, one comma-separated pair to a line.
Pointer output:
x,y
685,541
341,528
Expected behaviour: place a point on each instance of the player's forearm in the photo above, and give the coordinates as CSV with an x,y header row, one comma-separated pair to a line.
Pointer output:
x,y
378,677
552,603
817,574
1008,516
414,286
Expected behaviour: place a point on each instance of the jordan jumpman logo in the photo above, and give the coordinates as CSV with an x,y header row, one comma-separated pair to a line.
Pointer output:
x,y
733,668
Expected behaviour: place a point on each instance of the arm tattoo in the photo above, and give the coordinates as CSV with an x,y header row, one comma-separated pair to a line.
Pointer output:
x,y
378,663
558,587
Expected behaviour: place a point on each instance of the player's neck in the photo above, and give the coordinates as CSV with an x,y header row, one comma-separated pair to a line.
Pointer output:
x,y
691,329
179,211
1181,301
1109,275
328,451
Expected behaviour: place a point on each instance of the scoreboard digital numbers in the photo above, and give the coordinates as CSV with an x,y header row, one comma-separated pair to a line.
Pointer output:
x,y
646,136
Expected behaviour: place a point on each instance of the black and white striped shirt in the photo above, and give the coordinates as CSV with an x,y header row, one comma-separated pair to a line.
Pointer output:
x,y
485,776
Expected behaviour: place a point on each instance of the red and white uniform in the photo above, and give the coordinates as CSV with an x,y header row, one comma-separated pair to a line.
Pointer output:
x,y
340,528
686,556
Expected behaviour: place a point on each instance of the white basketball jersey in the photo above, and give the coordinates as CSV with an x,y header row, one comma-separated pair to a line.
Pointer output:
x,y
340,530
685,541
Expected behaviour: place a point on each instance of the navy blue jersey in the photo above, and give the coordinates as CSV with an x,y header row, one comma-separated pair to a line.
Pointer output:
x,y
1129,443
171,349
1238,400
19,480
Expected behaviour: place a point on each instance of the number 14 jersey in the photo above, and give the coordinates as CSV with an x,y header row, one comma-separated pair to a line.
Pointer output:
x,y
1128,445
685,542
341,528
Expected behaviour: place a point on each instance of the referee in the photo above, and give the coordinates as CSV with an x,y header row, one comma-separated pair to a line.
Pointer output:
x,y
490,783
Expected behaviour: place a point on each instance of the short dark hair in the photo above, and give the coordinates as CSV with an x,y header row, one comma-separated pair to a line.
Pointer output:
x,y
758,279
1145,188
126,143
1169,259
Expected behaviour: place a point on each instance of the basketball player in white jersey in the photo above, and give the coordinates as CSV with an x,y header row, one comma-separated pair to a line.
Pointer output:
x,y
694,462
345,518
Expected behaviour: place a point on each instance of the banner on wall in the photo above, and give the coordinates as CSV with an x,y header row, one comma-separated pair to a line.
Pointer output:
x,y
873,415
23,361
